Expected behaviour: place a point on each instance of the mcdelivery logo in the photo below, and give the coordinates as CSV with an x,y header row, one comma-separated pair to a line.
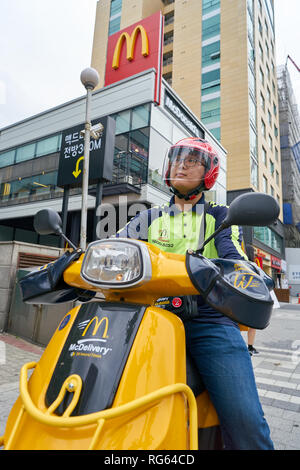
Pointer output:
x,y
89,345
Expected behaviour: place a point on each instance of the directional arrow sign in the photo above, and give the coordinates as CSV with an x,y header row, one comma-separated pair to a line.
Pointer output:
x,y
77,172
101,155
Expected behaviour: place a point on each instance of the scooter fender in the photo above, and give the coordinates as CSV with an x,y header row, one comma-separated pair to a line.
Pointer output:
x,y
113,376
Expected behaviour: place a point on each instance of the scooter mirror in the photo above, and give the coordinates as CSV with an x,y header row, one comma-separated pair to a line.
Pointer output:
x,y
47,221
254,209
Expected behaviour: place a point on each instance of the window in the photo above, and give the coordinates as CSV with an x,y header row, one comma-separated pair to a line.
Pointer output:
x,y
270,142
140,116
261,76
211,54
272,191
209,5
263,128
262,101
210,110
275,109
114,25
264,156
253,142
276,154
271,167
277,178
269,117
211,27
268,94
115,16
254,172
275,131
265,184
212,77
7,158
26,152
122,122
47,146
261,53
252,110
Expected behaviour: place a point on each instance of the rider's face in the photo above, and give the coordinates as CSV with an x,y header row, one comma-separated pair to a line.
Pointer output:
x,y
186,173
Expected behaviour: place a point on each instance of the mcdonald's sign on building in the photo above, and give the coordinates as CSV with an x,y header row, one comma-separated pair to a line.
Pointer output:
x,y
135,49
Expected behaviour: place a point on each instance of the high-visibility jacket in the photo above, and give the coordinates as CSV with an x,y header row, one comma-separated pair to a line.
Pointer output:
x,y
176,231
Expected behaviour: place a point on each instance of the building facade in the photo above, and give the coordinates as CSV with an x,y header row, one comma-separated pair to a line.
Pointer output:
x,y
219,57
30,153
290,157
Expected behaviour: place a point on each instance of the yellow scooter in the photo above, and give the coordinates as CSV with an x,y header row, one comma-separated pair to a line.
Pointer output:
x,y
115,375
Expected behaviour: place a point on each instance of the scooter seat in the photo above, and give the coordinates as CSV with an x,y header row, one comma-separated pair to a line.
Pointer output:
x,y
193,378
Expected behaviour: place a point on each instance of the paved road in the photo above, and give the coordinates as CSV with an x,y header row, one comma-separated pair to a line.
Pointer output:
x,y
277,372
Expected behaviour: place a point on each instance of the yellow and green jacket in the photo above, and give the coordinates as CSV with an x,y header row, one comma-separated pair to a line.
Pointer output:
x,y
176,231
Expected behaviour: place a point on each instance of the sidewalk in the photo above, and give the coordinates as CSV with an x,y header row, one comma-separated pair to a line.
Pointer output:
x,y
14,353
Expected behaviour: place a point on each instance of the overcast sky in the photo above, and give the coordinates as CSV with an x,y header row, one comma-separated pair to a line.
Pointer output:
x,y
45,44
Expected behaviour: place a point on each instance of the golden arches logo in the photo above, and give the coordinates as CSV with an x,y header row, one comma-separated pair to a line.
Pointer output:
x,y
130,44
97,326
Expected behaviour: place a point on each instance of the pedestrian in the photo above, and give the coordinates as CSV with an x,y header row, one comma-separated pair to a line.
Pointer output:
x,y
213,340
251,337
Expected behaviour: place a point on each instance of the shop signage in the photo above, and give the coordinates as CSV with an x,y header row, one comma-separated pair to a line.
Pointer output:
x,y
135,49
182,116
294,273
72,155
275,263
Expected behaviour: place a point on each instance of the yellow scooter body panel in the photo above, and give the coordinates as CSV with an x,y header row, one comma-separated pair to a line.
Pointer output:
x,y
155,362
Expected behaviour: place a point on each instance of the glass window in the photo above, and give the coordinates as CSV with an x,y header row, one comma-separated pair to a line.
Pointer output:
x,y
254,173
251,81
277,177
261,76
140,116
211,54
26,152
252,110
263,128
264,156
269,118
114,25
47,146
265,184
270,142
26,235
210,89
6,233
211,77
209,5
7,158
210,108
262,101
122,121
115,7
276,154
268,237
21,188
211,27
253,142
275,131
271,167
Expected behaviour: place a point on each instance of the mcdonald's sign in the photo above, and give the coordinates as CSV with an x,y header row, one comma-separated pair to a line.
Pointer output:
x,y
135,49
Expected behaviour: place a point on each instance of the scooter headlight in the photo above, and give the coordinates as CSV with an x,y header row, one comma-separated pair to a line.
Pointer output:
x,y
116,262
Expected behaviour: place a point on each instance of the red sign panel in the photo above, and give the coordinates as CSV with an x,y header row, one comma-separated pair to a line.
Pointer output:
x,y
275,263
135,49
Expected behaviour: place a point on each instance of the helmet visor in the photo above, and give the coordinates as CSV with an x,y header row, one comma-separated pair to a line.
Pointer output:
x,y
186,162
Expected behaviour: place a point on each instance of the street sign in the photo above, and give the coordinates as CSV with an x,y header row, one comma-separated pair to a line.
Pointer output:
x,y
72,155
